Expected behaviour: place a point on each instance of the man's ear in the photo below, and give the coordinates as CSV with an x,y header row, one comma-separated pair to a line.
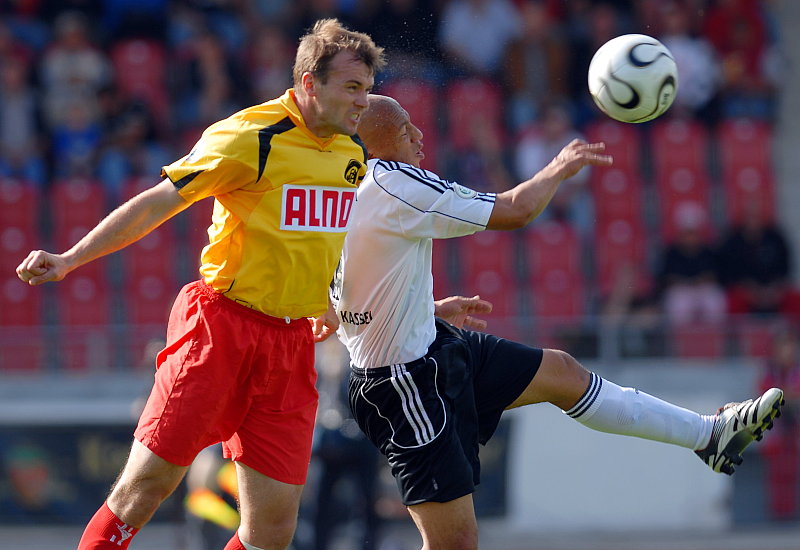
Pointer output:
x,y
308,82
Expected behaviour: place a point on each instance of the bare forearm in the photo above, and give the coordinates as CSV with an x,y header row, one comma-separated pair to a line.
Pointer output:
x,y
519,206
125,225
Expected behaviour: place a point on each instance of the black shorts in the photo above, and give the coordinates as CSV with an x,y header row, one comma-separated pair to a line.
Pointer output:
x,y
429,416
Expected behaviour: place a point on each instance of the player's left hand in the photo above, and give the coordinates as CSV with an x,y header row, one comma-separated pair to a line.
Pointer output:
x,y
325,325
459,311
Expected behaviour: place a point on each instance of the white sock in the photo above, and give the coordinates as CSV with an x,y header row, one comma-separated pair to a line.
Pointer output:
x,y
606,407
248,546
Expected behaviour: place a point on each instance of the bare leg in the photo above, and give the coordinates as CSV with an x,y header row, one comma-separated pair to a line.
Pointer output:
x,y
145,482
447,525
269,509
560,380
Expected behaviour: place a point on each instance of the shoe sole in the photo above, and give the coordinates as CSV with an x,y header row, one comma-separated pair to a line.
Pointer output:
x,y
738,443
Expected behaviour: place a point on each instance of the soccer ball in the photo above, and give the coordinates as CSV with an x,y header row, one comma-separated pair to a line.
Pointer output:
x,y
633,78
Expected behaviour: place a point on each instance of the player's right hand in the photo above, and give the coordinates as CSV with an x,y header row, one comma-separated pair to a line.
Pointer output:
x,y
40,267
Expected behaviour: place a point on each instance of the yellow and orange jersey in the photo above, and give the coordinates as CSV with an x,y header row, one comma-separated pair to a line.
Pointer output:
x,y
283,199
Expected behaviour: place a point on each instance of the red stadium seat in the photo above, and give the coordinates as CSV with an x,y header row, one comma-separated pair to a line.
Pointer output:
x,y
677,188
623,142
148,300
421,100
84,314
83,300
698,341
473,105
20,303
552,246
22,343
20,211
754,337
679,143
749,188
76,206
140,71
487,267
495,250
555,275
744,143
620,246
558,294
20,202
617,194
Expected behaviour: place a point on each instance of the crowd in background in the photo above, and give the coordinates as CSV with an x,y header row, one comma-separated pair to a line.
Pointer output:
x,y
117,88
107,91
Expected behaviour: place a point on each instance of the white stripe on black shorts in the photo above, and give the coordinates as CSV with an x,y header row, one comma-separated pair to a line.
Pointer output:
x,y
428,416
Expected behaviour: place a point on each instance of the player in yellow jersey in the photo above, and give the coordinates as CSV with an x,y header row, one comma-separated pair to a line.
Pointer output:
x,y
238,366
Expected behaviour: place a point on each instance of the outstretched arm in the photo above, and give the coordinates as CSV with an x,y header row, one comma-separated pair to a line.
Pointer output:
x,y
517,207
125,225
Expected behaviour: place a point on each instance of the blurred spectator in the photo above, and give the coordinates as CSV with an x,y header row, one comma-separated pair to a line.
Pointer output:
x,y
348,463
268,61
475,35
688,272
539,143
132,149
75,139
11,48
29,491
207,82
738,31
755,262
24,21
537,63
483,166
631,317
72,70
782,448
698,68
589,25
21,137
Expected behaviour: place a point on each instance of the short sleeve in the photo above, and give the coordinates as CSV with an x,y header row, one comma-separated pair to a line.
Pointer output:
x,y
216,165
431,207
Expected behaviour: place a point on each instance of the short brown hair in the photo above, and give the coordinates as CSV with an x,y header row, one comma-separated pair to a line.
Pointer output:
x,y
327,38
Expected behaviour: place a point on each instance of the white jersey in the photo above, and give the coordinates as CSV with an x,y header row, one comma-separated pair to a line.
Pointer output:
x,y
383,292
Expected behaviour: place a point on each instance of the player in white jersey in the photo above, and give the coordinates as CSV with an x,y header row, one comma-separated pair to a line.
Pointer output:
x,y
426,392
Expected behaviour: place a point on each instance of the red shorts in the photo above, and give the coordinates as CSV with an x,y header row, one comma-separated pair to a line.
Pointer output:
x,y
232,374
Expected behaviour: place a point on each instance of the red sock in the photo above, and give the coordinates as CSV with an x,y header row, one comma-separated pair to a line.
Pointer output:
x,y
234,543
106,531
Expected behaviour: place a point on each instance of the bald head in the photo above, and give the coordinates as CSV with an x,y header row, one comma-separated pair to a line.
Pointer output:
x,y
378,123
387,131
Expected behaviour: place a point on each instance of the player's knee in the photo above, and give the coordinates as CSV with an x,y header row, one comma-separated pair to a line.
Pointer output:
x,y
565,380
136,501
463,539
569,369
270,533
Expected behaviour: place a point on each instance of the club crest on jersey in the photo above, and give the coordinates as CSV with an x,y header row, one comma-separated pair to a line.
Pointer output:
x,y
311,208
354,172
464,192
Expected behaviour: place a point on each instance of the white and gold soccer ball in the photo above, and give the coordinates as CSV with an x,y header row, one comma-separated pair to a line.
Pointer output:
x,y
633,78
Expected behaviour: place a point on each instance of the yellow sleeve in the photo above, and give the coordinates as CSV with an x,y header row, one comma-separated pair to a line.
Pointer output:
x,y
222,160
